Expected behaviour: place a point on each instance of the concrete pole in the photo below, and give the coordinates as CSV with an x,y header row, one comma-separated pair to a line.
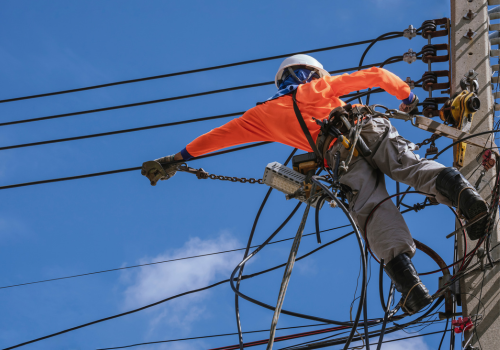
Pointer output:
x,y
474,54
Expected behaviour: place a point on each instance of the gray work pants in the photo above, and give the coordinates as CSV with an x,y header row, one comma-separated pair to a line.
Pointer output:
x,y
392,155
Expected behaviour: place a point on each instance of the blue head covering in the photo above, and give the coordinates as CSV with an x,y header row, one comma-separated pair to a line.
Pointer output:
x,y
290,83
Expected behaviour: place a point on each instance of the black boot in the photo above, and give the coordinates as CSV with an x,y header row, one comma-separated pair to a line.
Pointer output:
x,y
414,295
451,184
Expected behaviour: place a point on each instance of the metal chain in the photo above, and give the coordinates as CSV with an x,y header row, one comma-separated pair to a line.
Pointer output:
x,y
236,179
202,174
431,139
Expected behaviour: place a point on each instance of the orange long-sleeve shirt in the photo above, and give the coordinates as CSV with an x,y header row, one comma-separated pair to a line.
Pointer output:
x,y
275,120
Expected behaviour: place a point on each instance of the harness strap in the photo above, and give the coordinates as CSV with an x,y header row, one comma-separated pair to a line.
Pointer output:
x,y
304,127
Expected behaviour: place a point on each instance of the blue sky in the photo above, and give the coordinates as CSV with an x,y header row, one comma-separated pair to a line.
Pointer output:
x,y
74,227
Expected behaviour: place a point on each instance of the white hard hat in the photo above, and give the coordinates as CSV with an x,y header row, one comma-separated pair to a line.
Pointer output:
x,y
300,60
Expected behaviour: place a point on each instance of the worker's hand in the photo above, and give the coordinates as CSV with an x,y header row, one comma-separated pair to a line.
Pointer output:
x,y
410,108
159,169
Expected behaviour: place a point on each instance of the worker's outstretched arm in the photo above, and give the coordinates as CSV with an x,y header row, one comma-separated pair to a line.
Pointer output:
x,y
371,78
245,129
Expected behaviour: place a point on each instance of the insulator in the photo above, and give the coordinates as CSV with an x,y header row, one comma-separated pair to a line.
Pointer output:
x,y
428,51
428,78
428,26
430,103
430,107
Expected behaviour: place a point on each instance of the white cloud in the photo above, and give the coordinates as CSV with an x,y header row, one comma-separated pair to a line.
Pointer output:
x,y
153,283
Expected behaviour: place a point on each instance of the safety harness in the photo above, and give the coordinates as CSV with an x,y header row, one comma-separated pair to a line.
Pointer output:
x,y
340,122
304,128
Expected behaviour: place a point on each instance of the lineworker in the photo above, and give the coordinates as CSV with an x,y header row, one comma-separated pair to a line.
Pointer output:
x,y
317,93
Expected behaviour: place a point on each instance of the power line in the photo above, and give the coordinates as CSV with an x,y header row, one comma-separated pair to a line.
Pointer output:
x,y
143,103
169,298
121,131
149,127
119,170
207,336
125,169
193,70
157,262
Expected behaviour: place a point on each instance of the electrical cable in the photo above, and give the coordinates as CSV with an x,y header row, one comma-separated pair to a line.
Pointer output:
x,y
168,99
175,296
372,334
137,168
377,206
286,312
115,316
189,71
354,347
381,284
386,316
109,133
363,260
206,336
204,288
319,204
399,34
149,127
462,140
349,339
158,262
282,338
247,249
365,307
444,333
289,267
77,177
290,313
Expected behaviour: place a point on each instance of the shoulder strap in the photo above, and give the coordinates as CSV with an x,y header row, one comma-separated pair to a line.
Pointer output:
x,y
304,126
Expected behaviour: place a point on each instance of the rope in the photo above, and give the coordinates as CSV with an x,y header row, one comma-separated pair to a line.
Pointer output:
x,y
459,212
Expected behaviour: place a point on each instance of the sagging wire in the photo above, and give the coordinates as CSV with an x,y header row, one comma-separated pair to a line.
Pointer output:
x,y
398,34
247,249
161,100
365,317
363,262
289,266
381,37
372,334
183,294
194,70
387,313
464,260
110,172
159,262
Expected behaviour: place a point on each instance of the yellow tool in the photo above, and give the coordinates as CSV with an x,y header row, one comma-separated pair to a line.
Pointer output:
x,y
458,112
344,141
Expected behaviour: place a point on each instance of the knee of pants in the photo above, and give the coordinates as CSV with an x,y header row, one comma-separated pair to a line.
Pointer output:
x,y
387,233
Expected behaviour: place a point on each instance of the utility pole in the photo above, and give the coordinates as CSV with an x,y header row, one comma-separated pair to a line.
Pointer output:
x,y
470,48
